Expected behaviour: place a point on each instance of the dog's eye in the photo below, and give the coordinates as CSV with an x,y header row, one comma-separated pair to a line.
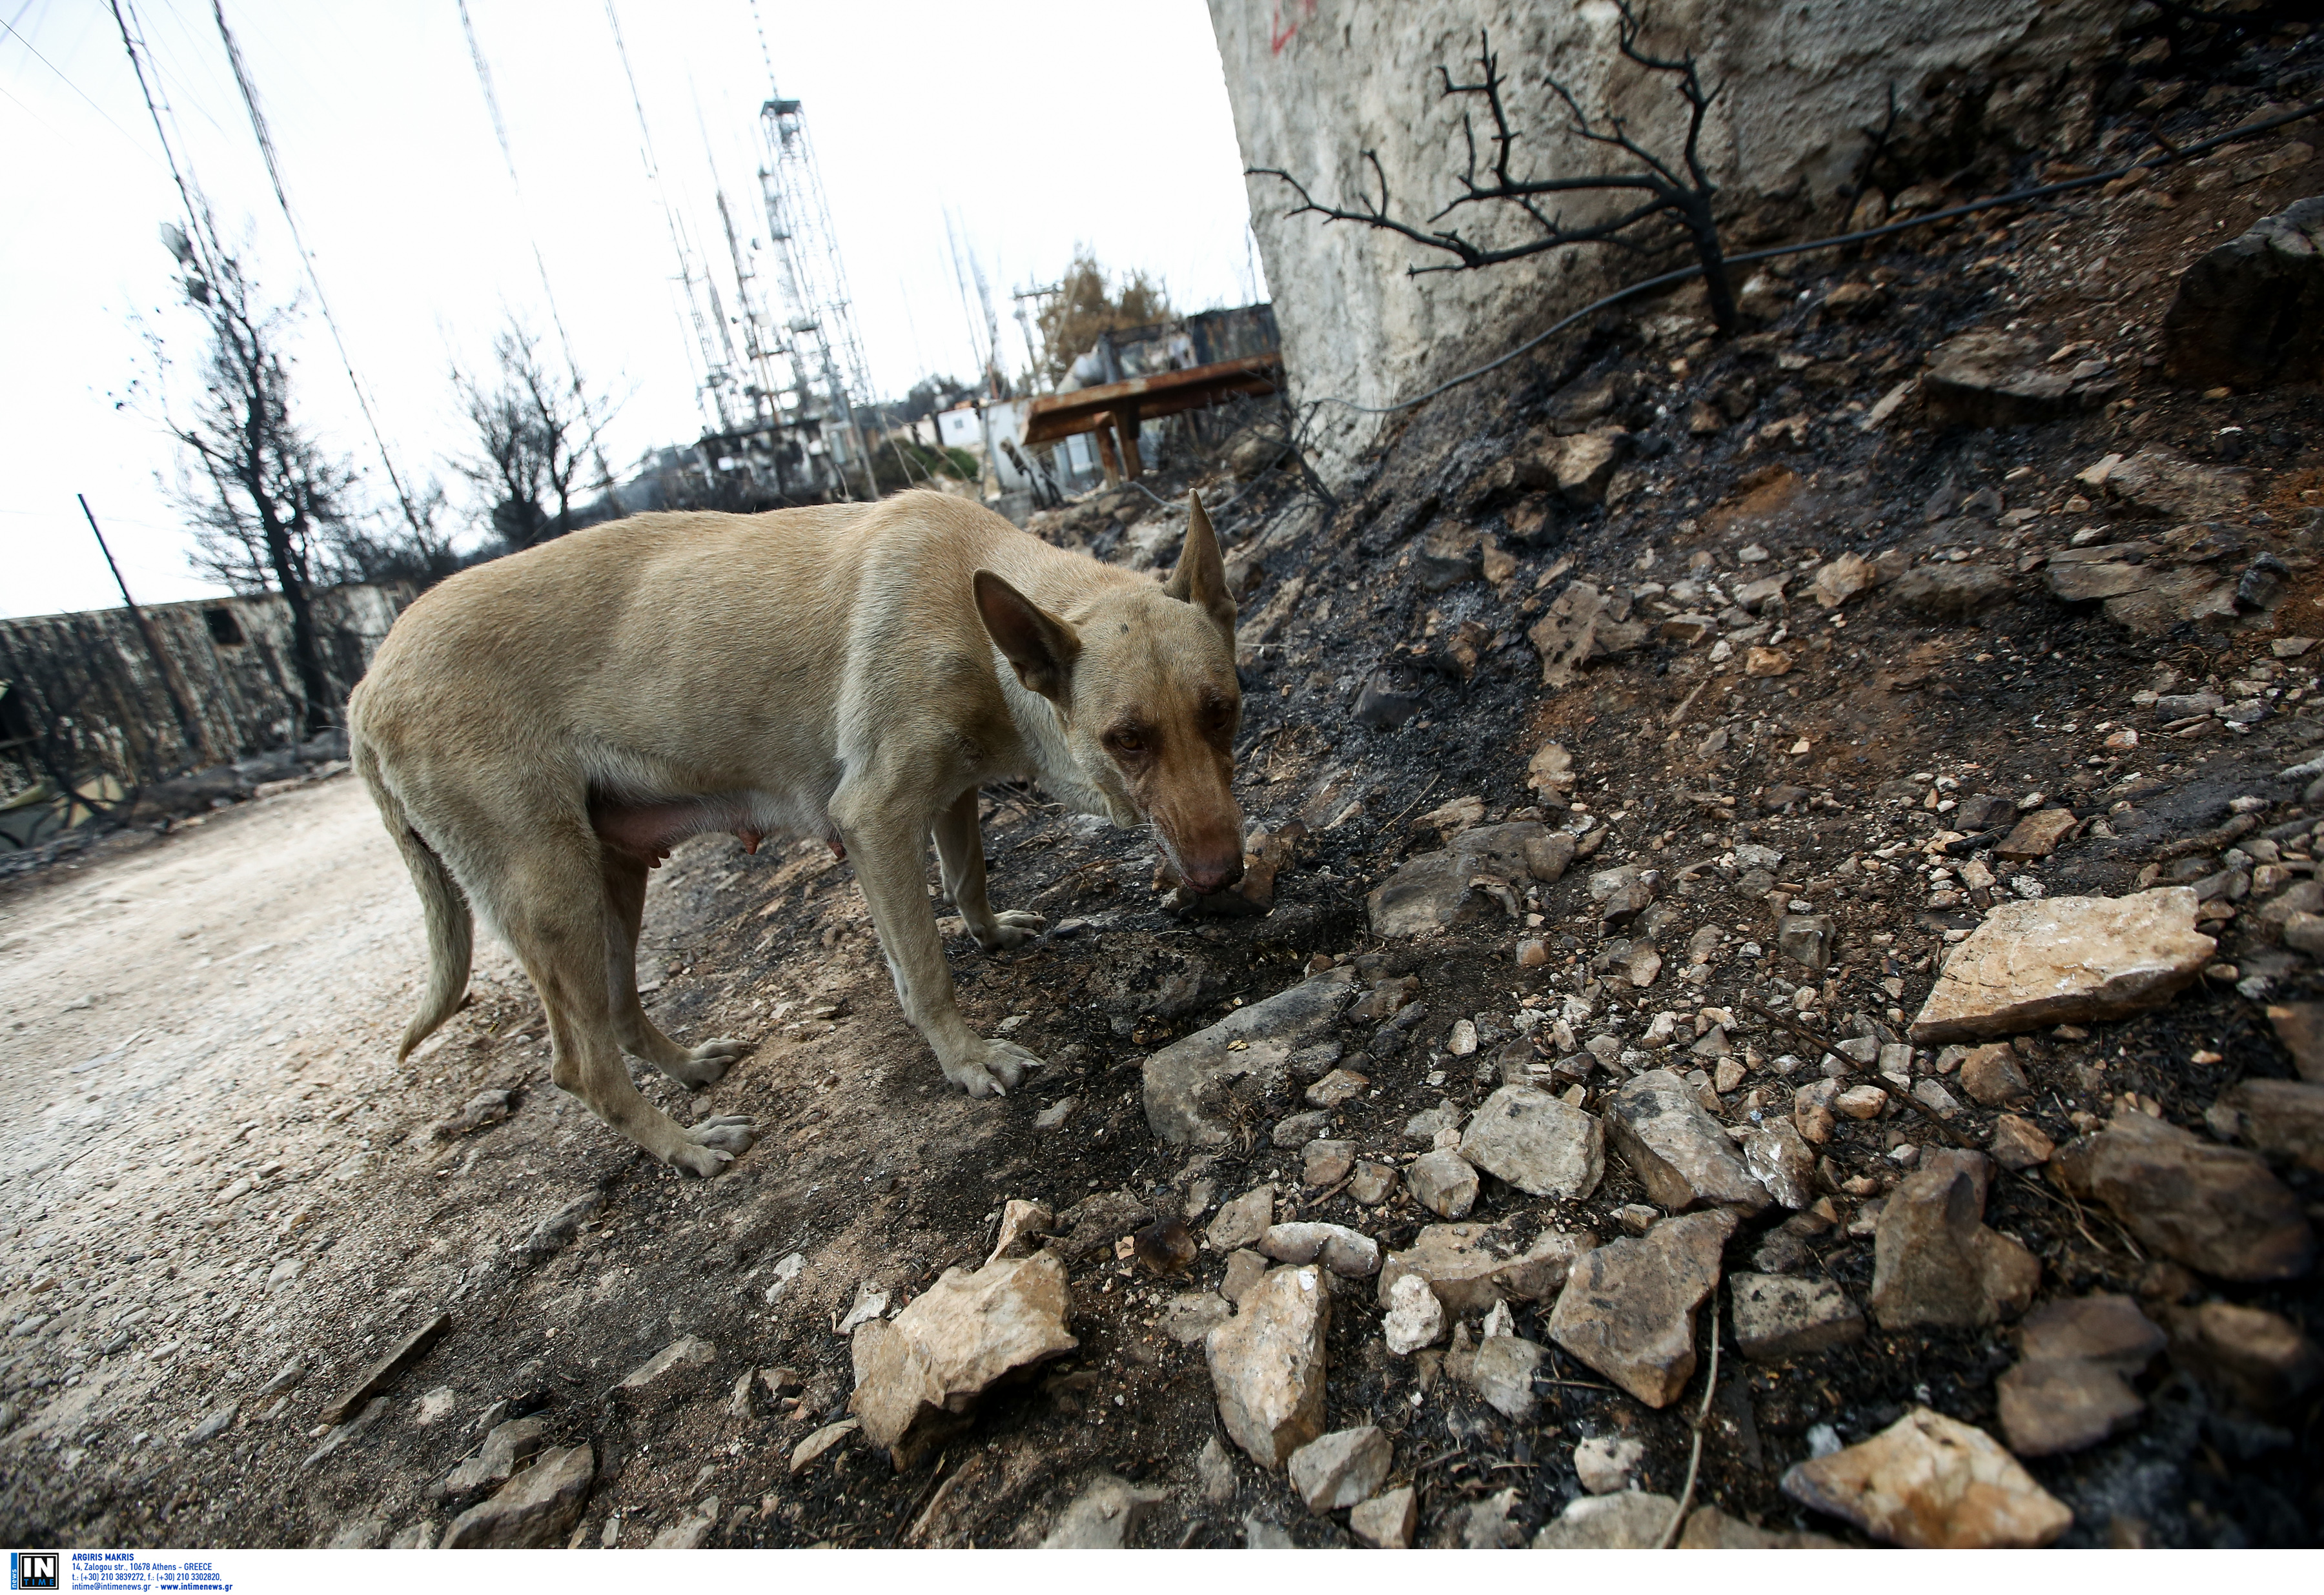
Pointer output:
x,y
1127,741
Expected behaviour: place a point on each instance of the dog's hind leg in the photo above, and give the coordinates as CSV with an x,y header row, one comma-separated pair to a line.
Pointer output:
x,y
625,905
551,904
885,835
960,853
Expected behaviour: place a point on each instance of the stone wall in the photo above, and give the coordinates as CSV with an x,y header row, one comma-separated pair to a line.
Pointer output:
x,y
1314,83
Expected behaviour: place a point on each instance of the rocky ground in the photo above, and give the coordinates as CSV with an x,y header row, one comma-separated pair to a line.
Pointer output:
x,y
1776,1002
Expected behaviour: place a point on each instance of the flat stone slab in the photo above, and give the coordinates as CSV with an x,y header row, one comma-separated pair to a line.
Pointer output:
x,y
1269,1032
2064,960
1778,1316
1627,1309
1469,1267
1929,1482
1678,1151
1541,1144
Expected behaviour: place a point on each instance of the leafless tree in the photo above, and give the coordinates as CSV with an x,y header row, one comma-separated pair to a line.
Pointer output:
x,y
265,497
533,434
1661,188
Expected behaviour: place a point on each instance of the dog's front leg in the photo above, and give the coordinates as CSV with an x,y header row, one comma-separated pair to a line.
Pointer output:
x,y
959,852
885,842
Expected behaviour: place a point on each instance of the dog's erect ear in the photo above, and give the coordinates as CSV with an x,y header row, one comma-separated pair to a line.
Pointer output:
x,y
1201,578
1038,645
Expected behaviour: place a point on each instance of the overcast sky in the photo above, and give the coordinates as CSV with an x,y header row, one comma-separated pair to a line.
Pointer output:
x,y
1027,120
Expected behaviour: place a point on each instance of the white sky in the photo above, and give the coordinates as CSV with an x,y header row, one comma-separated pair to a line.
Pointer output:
x,y
1022,119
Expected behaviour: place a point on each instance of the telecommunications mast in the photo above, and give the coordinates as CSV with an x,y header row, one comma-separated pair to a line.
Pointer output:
x,y
819,314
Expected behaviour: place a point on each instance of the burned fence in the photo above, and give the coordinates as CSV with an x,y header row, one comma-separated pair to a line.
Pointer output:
x,y
95,707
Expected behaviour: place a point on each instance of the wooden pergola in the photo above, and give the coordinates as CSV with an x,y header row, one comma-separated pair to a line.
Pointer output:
x,y
1114,409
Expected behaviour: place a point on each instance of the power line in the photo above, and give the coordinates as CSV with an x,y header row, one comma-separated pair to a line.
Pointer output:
x,y
314,279
508,158
68,83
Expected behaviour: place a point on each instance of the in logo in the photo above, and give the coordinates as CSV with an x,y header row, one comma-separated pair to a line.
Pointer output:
x,y
32,1570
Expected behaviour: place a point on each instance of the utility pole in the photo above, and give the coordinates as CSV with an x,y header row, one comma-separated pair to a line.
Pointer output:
x,y
195,746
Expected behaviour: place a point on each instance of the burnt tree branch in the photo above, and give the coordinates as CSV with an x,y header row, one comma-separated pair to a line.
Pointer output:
x,y
1676,187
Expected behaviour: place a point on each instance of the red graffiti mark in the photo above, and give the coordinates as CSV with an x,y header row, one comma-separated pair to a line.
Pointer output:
x,y
1280,34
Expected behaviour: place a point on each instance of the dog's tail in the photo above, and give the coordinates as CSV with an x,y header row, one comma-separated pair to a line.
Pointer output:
x,y
451,930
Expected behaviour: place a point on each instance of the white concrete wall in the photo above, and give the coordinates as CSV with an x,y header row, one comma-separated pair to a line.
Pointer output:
x,y
1313,83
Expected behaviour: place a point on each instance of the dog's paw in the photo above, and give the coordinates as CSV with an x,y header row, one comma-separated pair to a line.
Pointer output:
x,y
732,1133
708,1064
991,1068
1011,927
691,1157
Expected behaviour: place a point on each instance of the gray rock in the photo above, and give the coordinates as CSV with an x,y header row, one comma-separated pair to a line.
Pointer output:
x,y
1678,1151
2064,960
1609,1463
1471,1267
1342,1469
1778,1317
2246,1357
1806,940
1214,1473
1298,1129
1629,1520
1189,1318
1482,872
2215,1209
1268,1364
1415,1317
1776,1155
1177,1076
1934,1261
1104,1517
1628,1308
1491,1525
2282,1118
1992,379
807,1450
937,1356
1386,1522
1349,1253
2251,312
1372,1183
690,1531
1541,1144
215,1423
507,1448
1244,1220
669,1366
1931,1482
1711,1529
1501,1371
535,1509
1245,1269
1445,1182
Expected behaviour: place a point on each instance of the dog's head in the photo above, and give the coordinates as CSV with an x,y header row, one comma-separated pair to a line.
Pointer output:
x,y
1143,679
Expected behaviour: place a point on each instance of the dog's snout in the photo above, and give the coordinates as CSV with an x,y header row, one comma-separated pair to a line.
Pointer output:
x,y
1210,875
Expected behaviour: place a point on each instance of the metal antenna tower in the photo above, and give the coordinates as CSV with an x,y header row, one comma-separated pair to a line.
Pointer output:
x,y
814,285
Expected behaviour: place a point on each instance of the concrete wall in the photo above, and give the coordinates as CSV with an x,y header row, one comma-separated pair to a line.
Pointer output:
x,y
1313,83
85,703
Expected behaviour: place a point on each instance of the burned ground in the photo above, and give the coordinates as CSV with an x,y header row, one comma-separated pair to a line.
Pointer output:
x,y
212,1186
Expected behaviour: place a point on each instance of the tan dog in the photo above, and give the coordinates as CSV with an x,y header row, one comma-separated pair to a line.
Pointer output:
x,y
540,732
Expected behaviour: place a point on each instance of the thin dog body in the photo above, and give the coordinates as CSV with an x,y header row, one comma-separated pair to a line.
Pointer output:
x,y
540,731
